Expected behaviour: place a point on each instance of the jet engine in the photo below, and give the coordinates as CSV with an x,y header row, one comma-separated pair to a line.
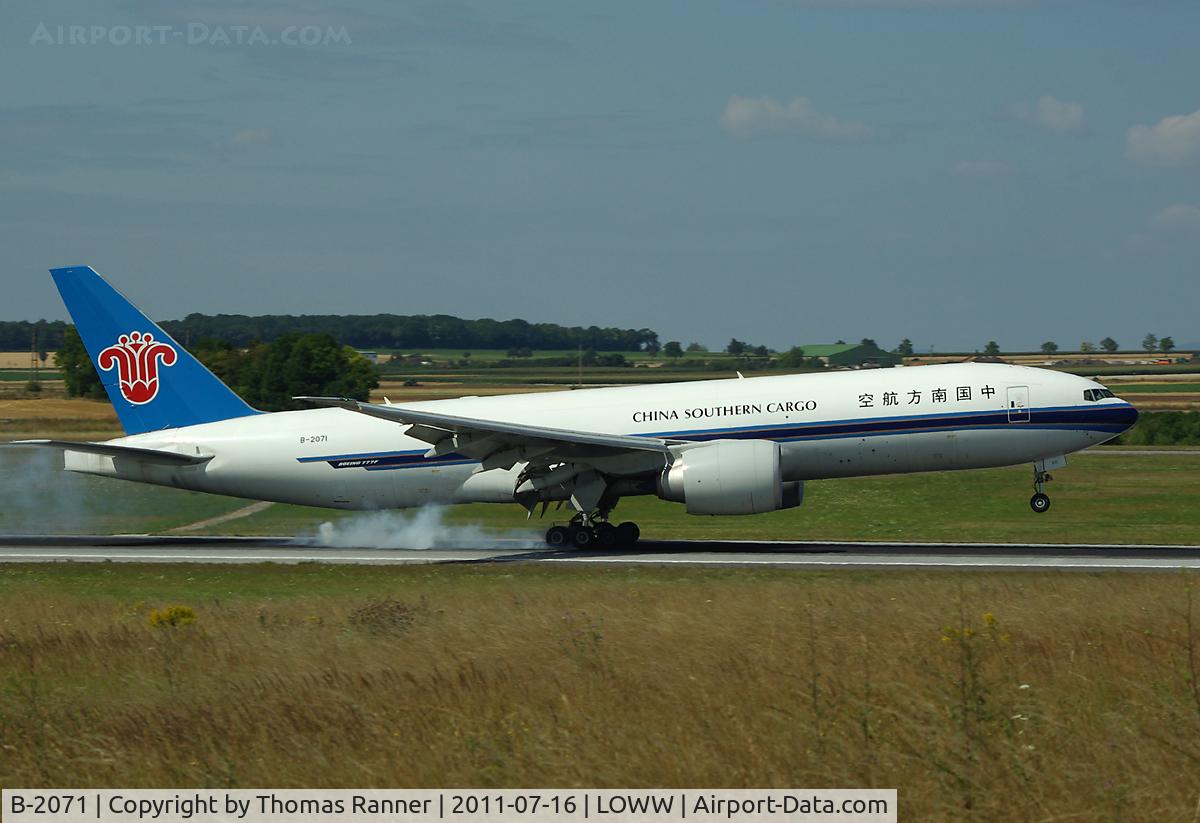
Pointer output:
x,y
730,477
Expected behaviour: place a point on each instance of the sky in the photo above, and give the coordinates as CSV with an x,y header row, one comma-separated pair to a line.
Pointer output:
x,y
780,171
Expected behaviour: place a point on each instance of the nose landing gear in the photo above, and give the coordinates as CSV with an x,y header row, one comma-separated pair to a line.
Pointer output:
x,y
1040,502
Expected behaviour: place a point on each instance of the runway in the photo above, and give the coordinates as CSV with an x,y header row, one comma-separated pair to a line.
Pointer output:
x,y
812,555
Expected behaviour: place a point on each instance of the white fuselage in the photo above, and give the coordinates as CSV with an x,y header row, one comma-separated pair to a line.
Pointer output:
x,y
837,424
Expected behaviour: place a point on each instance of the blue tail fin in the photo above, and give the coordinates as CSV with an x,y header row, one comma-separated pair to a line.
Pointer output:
x,y
152,381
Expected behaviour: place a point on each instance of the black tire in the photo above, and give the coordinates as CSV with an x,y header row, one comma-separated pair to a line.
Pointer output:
x,y
583,537
557,536
628,533
1039,503
606,535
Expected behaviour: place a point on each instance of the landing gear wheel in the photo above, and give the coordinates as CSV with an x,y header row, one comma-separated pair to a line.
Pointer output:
x,y
582,537
606,535
557,536
1039,503
628,533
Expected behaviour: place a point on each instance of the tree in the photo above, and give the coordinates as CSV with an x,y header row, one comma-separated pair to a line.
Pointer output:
x,y
1109,345
1049,347
79,373
905,348
792,358
269,375
672,349
1087,346
697,347
760,351
1150,343
735,346
866,341
992,348
1166,344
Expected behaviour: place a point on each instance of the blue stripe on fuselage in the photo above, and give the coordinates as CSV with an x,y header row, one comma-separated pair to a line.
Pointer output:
x,y
1111,419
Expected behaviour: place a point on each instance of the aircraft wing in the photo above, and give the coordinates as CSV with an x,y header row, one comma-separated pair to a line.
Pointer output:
x,y
158,456
500,444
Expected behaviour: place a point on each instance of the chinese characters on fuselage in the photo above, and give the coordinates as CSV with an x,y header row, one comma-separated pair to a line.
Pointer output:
x,y
914,396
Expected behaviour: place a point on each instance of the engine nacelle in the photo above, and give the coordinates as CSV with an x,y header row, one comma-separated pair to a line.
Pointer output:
x,y
730,477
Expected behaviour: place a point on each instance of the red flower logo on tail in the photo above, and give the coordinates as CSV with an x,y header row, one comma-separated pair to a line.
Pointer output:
x,y
136,357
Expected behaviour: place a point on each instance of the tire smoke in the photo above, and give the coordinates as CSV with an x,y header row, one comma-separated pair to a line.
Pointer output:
x,y
422,529
38,498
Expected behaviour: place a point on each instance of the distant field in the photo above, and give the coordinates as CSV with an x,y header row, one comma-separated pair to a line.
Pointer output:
x,y
1158,388
1019,696
20,359
1103,371
492,355
29,374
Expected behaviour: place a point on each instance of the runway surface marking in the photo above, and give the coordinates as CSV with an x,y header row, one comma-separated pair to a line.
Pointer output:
x,y
807,554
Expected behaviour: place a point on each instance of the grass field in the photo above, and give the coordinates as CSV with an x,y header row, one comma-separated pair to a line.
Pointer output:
x,y
1098,498
28,374
981,697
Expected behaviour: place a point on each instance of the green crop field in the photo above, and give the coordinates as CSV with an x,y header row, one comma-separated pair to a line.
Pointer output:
x,y
9,375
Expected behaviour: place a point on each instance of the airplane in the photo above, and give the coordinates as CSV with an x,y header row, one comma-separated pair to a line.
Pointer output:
x,y
734,446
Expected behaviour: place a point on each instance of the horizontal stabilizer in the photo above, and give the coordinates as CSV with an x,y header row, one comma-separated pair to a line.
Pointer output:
x,y
157,456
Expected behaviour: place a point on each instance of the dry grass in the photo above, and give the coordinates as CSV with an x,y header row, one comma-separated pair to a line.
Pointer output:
x,y
88,411
71,419
20,359
990,697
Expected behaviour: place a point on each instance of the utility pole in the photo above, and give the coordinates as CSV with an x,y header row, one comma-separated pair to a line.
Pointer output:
x,y
580,383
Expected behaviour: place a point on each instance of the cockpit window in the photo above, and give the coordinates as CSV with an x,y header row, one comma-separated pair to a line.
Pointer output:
x,y
1092,395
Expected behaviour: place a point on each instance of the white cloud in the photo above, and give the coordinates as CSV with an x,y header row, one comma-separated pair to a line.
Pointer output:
x,y
981,168
751,116
1179,217
1061,116
1172,141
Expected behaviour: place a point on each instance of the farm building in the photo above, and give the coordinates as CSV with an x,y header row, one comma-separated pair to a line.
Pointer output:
x,y
851,355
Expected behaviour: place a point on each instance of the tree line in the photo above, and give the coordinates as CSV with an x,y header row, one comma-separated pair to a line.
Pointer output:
x,y
374,331
1151,344
395,331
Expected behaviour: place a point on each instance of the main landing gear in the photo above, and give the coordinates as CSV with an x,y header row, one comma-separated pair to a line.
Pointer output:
x,y
590,532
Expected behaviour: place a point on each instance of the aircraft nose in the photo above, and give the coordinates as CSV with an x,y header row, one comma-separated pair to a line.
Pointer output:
x,y
1127,415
